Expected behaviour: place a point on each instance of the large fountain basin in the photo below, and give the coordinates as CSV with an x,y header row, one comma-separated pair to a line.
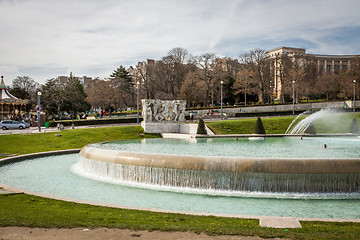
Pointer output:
x,y
122,164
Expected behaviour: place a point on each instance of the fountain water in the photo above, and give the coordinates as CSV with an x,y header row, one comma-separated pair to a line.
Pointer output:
x,y
294,121
280,168
328,117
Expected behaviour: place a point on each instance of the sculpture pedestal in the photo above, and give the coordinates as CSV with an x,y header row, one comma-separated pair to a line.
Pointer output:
x,y
161,127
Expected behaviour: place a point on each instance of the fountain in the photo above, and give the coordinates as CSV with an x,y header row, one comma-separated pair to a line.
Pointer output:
x,y
212,175
213,169
331,121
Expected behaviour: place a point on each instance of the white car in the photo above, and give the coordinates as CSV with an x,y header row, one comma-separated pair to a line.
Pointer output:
x,y
9,124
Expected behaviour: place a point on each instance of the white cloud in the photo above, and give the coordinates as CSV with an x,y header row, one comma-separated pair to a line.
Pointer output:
x,y
44,39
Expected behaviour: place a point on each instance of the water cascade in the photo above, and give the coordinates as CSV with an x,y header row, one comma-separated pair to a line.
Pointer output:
x,y
217,173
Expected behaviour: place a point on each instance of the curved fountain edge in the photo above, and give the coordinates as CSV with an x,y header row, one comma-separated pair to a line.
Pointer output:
x,y
225,163
60,152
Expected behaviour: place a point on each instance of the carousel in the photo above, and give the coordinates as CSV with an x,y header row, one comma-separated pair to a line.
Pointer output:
x,y
11,106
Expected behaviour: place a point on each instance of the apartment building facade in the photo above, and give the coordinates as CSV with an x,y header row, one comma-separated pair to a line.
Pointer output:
x,y
332,64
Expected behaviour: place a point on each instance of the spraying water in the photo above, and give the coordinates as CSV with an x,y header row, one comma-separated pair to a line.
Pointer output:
x,y
305,123
292,123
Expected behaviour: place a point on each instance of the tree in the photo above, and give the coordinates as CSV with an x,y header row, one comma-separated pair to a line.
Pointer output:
x,y
98,94
24,87
245,83
325,86
76,100
70,96
121,73
205,74
25,83
54,96
123,85
257,62
192,90
169,73
144,74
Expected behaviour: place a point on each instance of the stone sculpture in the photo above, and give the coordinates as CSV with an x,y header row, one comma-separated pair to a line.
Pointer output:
x,y
155,110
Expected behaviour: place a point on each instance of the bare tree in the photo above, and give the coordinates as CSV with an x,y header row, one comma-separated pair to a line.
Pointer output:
x,y
169,73
24,82
326,86
98,94
192,90
245,83
205,74
257,62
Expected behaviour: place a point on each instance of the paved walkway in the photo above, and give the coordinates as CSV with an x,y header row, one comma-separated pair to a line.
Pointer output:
x,y
54,129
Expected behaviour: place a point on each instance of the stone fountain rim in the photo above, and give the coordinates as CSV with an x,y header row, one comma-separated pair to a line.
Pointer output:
x,y
225,164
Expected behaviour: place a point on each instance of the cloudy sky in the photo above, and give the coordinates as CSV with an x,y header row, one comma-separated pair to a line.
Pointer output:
x,y
48,38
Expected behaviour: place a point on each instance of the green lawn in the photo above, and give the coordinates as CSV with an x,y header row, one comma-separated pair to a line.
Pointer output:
x,y
337,123
69,139
274,125
32,211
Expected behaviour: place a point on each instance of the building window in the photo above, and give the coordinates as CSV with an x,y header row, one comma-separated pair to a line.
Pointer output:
x,y
328,67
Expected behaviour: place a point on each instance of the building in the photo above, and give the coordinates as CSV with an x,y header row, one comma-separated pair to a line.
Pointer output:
x,y
61,79
332,64
140,71
85,80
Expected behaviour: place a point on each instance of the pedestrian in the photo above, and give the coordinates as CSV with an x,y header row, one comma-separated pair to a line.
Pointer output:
x,y
191,116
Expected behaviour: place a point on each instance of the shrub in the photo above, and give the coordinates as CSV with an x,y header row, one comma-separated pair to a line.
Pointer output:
x,y
354,127
102,121
310,129
259,127
201,127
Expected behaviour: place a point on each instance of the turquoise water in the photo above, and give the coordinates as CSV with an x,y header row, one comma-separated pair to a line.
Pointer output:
x,y
283,147
53,175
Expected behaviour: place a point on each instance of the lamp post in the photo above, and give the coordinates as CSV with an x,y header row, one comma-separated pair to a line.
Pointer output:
x,y
354,95
38,110
137,106
293,83
221,83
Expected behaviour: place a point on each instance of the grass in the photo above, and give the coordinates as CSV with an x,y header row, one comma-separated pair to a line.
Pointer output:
x,y
69,139
338,123
274,125
32,211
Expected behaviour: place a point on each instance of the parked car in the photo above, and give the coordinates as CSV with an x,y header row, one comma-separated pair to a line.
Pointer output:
x,y
27,124
9,124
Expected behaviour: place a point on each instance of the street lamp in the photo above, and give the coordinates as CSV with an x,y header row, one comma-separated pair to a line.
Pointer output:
x,y
222,83
354,95
38,110
293,83
137,116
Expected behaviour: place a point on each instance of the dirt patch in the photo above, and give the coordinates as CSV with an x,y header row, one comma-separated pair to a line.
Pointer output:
x,y
16,233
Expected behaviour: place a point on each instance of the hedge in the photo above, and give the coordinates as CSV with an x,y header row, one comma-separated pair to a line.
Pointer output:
x,y
102,121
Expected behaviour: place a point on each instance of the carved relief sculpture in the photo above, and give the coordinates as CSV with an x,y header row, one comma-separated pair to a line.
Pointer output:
x,y
155,110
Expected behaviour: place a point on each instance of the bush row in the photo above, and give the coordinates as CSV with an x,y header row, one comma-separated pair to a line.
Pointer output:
x,y
101,121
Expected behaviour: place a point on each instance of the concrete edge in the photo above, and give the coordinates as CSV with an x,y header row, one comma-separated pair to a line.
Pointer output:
x,y
275,222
